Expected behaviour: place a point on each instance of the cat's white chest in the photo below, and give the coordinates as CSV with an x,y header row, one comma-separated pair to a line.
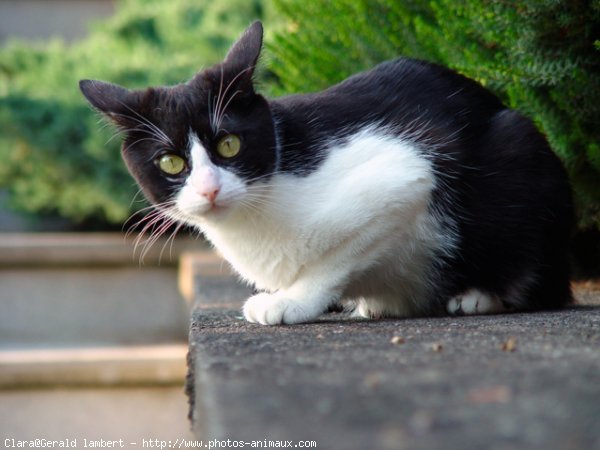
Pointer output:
x,y
268,256
366,203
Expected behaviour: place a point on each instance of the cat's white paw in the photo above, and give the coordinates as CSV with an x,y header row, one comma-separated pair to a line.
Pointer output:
x,y
473,302
272,309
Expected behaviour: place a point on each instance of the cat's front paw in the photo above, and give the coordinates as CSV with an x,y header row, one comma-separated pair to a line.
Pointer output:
x,y
272,309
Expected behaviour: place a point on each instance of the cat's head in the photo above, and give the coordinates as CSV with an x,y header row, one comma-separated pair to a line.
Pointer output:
x,y
195,148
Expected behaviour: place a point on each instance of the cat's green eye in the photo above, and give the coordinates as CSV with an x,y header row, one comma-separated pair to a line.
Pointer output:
x,y
171,164
229,146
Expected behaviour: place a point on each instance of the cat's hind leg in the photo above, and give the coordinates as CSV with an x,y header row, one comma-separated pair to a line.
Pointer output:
x,y
474,301
382,306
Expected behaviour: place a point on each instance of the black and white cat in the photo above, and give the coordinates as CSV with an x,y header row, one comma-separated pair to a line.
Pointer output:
x,y
407,189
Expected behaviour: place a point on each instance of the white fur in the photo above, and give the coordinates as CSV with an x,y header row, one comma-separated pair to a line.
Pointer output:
x,y
358,227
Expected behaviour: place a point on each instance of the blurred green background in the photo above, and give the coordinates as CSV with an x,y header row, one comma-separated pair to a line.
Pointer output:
x,y
58,159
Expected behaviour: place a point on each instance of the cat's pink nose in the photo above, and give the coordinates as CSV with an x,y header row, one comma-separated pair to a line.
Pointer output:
x,y
206,182
211,195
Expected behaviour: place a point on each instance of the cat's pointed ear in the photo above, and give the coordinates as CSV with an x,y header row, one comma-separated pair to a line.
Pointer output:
x,y
242,57
110,99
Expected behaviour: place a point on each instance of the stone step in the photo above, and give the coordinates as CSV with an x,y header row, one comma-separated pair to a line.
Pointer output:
x,y
93,341
94,366
88,289
81,309
91,249
517,381
136,414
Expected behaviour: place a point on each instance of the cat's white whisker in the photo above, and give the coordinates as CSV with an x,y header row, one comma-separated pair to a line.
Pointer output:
x,y
144,129
144,139
210,106
158,227
156,235
171,240
150,125
220,119
220,109
135,200
150,223
144,219
217,104
146,126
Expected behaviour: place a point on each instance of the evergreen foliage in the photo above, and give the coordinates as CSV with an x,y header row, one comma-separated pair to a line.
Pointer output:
x,y
540,56
55,158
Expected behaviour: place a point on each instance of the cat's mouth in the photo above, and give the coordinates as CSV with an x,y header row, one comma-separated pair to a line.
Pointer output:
x,y
216,209
212,210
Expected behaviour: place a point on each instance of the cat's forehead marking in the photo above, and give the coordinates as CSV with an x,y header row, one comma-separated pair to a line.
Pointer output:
x,y
198,153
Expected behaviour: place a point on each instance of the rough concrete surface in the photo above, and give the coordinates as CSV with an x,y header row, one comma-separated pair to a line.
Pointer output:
x,y
520,381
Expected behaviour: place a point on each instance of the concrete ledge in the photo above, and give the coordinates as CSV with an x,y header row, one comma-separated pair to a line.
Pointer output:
x,y
100,366
518,381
